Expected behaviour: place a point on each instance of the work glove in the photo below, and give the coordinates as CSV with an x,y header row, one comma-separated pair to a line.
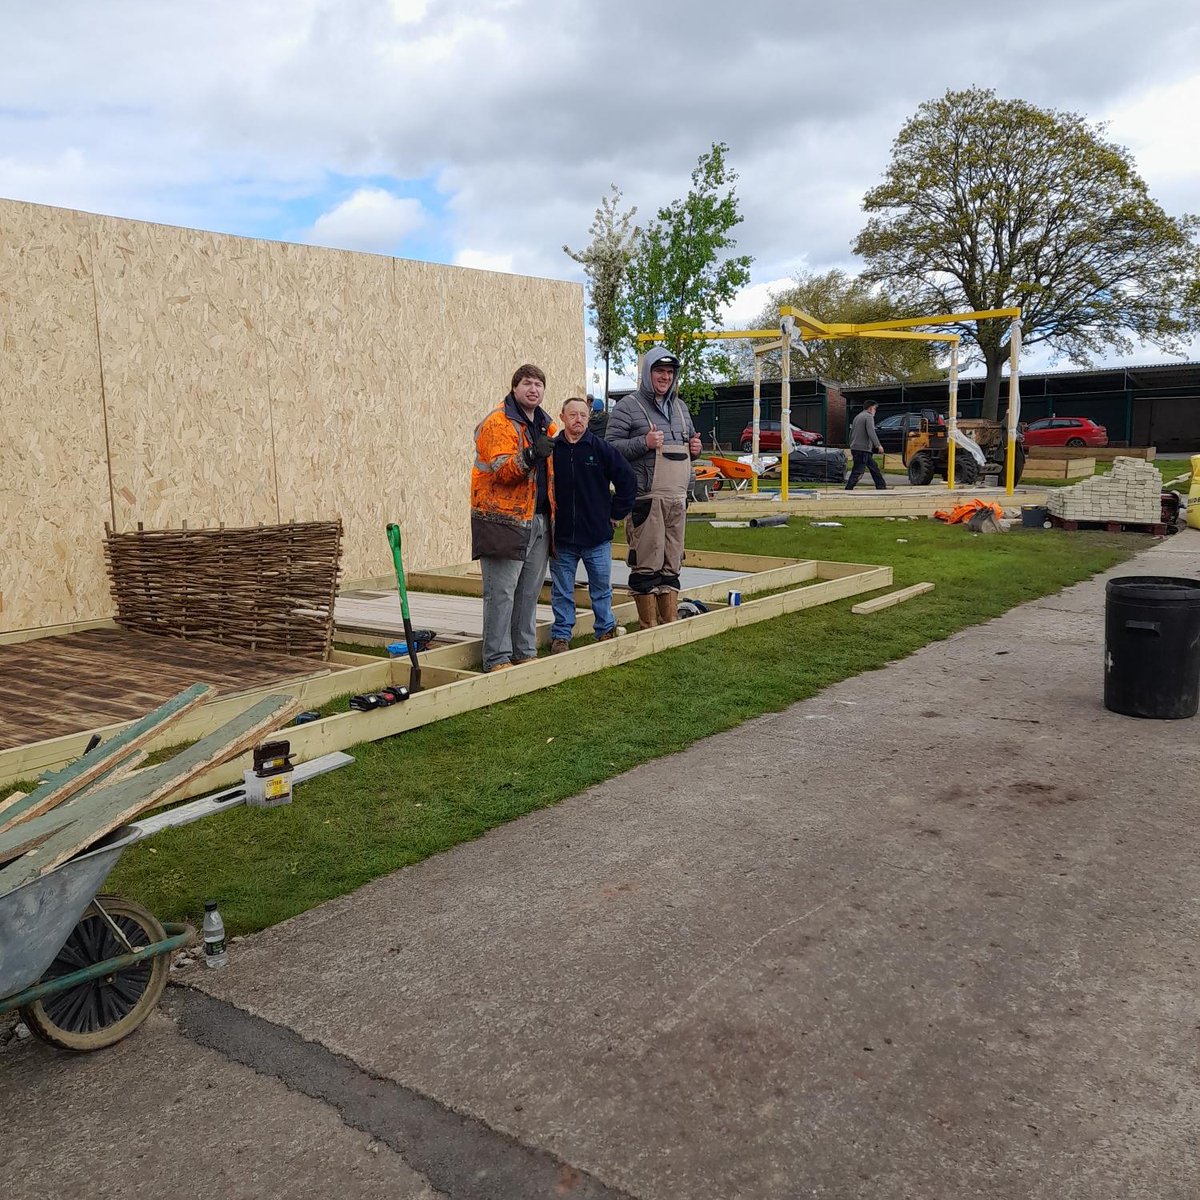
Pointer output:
x,y
542,447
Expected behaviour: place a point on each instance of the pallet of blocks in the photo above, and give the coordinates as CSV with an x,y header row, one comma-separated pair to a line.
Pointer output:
x,y
1128,495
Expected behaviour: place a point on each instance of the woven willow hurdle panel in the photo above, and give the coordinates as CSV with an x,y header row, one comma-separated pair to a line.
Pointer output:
x,y
270,588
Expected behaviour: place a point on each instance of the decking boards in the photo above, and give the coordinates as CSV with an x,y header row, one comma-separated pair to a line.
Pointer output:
x,y
107,760
54,686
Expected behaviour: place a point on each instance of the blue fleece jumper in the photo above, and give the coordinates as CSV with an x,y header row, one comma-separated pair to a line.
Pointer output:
x,y
584,507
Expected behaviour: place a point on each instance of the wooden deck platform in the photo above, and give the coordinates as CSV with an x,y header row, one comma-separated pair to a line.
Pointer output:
x,y
60,685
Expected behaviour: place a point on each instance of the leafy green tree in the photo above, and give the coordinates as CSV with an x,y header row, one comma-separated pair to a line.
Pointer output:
x,y
836,296
605,262
681,277
990,203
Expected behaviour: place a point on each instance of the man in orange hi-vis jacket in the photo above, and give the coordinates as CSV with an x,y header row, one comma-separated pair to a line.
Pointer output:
x,y
512,515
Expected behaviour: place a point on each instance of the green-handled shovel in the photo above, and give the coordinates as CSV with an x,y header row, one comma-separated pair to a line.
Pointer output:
x,y
414,675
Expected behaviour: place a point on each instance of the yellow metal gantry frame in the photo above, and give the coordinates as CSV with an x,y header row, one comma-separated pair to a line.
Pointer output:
x,y
812,329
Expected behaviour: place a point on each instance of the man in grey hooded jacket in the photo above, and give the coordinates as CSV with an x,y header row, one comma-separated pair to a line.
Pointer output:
x,y
653,429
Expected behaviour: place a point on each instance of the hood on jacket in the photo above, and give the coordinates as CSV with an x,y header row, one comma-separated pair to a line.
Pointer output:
x,y
653,355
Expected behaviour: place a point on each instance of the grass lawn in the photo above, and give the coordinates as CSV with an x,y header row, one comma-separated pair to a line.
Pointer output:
x,y
426,790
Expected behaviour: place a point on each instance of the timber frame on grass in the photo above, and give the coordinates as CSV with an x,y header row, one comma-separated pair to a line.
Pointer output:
x,y
452,679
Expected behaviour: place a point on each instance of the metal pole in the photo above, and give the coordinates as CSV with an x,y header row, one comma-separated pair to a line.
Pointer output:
x,y
1014,402
755,460
785,415
950,449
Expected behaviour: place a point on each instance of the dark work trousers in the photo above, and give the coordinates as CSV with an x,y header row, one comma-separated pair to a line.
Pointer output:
x,y
864,462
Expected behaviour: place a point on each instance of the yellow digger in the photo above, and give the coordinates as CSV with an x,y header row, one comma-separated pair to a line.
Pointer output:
x,y
981,448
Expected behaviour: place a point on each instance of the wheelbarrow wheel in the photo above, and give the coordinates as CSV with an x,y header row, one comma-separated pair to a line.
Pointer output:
x,y
99,1013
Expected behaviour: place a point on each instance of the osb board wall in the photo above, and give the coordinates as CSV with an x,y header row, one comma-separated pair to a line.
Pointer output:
x,y
185,375
159,375
54,495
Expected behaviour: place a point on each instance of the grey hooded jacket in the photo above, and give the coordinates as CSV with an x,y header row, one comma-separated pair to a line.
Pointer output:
x,y
630,419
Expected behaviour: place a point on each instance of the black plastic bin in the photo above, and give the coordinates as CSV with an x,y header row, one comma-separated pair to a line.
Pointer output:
x,y
1152,646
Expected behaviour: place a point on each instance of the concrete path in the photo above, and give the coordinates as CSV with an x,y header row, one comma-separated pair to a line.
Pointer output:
x,y
933,933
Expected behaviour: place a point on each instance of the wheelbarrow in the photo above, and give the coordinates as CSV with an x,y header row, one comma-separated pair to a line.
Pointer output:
x,y
83,969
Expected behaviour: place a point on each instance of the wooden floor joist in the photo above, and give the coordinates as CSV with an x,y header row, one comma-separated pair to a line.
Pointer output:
x,y
863,502
452,677
825,583
892,598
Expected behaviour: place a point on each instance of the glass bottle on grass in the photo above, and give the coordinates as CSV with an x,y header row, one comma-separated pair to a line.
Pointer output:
x,y
214,936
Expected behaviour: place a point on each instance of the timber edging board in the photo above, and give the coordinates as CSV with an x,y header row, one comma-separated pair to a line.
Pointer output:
x,y
837,581
879,603
1107,453
450,666
837,502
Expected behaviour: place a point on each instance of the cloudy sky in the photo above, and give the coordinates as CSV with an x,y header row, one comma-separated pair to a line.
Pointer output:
x,y
484,133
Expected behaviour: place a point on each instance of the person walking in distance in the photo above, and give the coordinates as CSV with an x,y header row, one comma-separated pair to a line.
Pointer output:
x,y
512,512
586,509
864,442
598,421
654,431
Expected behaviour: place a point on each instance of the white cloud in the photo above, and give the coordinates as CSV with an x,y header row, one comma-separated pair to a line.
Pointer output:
x,y
751,301
370,219
220,115
482,260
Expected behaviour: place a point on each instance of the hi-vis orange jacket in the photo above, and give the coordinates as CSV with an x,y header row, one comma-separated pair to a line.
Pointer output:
x,y
503,483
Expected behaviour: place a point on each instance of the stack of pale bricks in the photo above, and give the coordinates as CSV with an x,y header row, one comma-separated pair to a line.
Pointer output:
x,y
1130,493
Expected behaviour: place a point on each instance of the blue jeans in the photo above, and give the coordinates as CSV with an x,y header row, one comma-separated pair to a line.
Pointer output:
x,y
597,561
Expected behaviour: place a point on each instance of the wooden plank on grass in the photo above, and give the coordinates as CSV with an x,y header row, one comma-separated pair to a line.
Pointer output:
x,y
1104,453
98,813
898,597
74,777
475,691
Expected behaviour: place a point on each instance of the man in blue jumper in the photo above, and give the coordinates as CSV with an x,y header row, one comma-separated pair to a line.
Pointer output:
x,y
585,512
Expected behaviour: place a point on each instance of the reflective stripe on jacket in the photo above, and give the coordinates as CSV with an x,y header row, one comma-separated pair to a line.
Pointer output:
x,y
503,482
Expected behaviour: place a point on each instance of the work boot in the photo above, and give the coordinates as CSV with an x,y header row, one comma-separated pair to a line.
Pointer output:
x,y
612,633
559,646
647,610
668,606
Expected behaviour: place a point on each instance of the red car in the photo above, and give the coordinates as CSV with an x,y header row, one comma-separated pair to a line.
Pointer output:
x,y
1065,431
768,437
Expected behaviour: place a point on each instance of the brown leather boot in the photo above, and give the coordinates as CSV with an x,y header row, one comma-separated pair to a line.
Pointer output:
x,y
647,611
668,606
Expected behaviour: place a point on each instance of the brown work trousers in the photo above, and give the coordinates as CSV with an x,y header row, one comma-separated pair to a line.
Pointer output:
x,y
654,530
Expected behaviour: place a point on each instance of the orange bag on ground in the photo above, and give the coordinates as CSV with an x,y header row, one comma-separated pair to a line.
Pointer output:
x,y
965,511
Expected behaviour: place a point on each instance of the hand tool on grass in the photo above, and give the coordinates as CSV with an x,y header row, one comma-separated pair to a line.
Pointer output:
x,y
414,674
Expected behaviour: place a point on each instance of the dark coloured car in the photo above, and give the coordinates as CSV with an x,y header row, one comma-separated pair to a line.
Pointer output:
x,y
892,430
768,437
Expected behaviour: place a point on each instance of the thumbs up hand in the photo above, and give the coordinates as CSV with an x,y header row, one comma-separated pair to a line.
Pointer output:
x,y
654,439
